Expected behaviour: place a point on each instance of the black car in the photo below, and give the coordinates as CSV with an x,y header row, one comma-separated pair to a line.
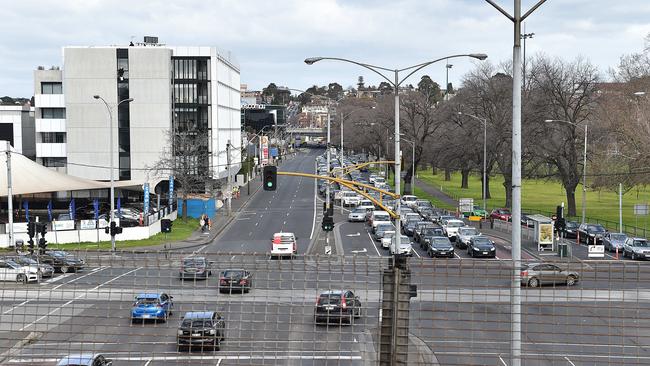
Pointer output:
x,y
427,213
440,246
337,305
417,233
591,233
481,246
409,228
204,329
429,233
571,229
235,280
60,260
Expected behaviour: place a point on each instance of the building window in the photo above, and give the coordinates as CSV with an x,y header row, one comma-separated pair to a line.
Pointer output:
x,y
54,162
53,137
51,88
48,113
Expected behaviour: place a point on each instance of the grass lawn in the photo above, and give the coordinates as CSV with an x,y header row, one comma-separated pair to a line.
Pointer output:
x,y
181,230
545,196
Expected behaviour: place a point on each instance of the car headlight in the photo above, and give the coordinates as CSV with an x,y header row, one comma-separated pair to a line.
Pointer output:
x,y
491,249
212,332
180,332
592,235
475,248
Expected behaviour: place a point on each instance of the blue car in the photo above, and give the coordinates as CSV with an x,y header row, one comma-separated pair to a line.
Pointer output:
x,y
85,359
157,306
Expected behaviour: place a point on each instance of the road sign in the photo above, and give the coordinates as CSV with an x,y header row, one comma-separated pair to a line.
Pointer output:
x,y
641,210
596,251
475,218
466,204
328,249
219,203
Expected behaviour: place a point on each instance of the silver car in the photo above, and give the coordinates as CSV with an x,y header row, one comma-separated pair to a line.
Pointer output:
x,y
614,241
357,215
537,274
636,248
45,269
465,234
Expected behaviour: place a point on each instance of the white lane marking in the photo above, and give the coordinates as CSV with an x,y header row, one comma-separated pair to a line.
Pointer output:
x,y
287,213
218,362
373,244
15,307
456,254
284,222
95,269
250,233
504,362
54,279
148,362
257,223
416,252
200,249
78,278
111,280
291,355
313,225
566,358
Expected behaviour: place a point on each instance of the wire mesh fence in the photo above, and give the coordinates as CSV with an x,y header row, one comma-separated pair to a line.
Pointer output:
x,y
157,308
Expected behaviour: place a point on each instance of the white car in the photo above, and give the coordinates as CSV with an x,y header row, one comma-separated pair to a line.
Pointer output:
x,y
385,241
372,178
350,198
379,217
451,228
284,245
408,200
14,272
367,204
405,246
357,215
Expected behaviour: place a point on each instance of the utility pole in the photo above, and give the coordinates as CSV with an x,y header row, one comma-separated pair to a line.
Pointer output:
x,y
10,198
229,186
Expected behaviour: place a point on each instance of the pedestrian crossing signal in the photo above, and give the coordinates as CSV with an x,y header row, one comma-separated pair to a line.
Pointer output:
x,y
270,176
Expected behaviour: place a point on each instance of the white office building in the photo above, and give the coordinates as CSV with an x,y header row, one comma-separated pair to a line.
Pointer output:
x,y
17,127
195,88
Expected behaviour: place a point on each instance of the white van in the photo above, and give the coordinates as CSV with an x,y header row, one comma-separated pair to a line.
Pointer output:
x,y
408,200
379,217
350,198
284,244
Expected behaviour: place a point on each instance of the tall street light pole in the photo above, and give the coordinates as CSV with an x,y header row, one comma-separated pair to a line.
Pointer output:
x,y
110,141
447,67
484,122
515,283
584,167
396,82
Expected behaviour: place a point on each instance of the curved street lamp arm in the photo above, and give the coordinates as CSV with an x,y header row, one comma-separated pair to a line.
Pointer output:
x,y
418,67
367,66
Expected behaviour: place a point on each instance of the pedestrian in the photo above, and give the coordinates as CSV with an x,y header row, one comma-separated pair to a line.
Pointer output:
x,y
207,218
202,222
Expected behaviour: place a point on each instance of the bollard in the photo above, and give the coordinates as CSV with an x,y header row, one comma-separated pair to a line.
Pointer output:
x,y
616,252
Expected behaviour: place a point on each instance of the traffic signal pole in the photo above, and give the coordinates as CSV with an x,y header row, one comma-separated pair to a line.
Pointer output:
x,y
10,198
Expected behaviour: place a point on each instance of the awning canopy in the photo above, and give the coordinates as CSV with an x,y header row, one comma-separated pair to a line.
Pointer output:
x,y
29,177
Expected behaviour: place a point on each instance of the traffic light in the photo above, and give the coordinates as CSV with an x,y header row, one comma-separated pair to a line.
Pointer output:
x,y
30,242
113,229
328,223
43,229
42,244
31,229
270,175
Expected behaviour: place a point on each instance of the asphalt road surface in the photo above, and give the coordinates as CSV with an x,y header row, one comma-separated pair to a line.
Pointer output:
x,y
461,315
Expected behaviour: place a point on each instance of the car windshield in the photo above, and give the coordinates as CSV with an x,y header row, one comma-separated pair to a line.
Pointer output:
x,y
640,243
482,241
193,262
359,210
233,273
455,224
197,323
389,234
504,212
25,261
147,301
471,231
330,299
440,241
618,237
571,224
59,254
596,228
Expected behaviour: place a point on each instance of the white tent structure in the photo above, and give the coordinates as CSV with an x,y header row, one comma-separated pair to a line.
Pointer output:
x,y
29,177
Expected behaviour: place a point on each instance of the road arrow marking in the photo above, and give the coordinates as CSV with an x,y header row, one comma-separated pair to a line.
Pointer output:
x,y
360,251
357,234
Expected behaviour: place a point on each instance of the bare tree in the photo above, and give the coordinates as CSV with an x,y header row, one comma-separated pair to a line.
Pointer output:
x,y
187,158
566,91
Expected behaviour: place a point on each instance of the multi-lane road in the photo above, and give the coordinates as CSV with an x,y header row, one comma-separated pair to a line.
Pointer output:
x,y
460,316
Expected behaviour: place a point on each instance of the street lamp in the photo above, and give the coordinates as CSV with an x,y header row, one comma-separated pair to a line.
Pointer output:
x,y
484,122
110,141
448,66
396,82
584,166
525,36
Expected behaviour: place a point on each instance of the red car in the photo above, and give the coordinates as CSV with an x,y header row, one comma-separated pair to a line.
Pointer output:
x,y
501,214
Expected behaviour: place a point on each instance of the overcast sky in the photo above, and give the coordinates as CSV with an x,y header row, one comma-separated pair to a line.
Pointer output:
x,y
271,38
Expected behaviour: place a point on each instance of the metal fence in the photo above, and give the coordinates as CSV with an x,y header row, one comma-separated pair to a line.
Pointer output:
x,y
460,314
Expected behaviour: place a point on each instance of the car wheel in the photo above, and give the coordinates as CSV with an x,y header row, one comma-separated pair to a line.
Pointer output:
x,y
570,280
64,269
21,278
633,256
533,282
430,254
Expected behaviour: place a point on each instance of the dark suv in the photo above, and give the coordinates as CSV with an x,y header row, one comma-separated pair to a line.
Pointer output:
x,y
235,280
201,328
61,261
337,305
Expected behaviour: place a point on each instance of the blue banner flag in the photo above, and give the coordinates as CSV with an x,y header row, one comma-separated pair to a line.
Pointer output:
x,y
71,209
119,206
49,210
171,189
26,207
96,208
146,198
